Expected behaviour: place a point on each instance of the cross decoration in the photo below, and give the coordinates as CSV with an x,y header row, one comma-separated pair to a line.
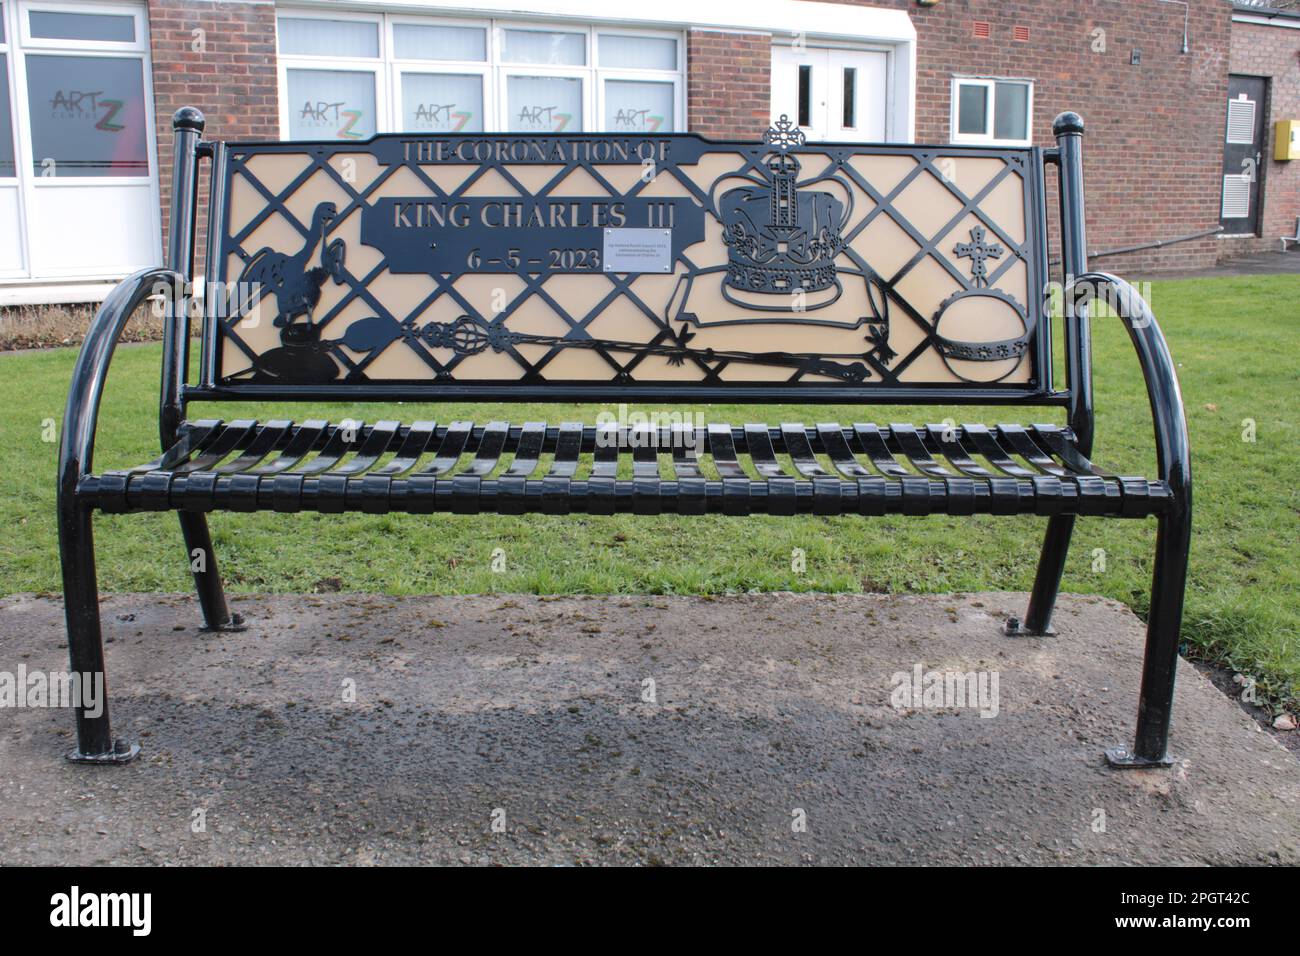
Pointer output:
x,y
977,251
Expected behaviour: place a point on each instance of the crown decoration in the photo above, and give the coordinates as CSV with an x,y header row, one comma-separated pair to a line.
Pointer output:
x,y
780,239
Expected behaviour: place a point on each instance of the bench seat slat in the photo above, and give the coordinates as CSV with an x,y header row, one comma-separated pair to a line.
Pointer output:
x,y
413,447
301,443
453,446
841,455
873,445
529,450
985,444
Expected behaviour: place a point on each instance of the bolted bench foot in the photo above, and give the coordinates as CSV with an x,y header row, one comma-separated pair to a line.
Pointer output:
x,y
1121,758
123,752
232,626
1017,628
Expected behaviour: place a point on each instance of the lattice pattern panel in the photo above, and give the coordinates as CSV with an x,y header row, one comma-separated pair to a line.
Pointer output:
x,y
658,260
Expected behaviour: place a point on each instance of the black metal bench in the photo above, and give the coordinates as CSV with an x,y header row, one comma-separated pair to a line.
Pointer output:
x,y
626,268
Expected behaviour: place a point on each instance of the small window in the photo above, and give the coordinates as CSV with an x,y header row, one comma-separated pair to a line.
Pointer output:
x,y
544,46
101,27
621,52
996,112
419,41
350,38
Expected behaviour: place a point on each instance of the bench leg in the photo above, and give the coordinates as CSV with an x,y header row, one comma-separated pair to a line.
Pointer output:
x,y
1047,582
212,597
95,743
1156,698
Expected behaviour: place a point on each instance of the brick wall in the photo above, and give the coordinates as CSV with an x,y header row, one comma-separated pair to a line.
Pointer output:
x,y
1153,151
728,83
230,75
1273,52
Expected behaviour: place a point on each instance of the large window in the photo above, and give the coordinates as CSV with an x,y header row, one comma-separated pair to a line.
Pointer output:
x,y
348,76
992,111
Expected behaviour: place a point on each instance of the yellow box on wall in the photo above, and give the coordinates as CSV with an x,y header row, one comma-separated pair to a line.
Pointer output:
x,y
1286,139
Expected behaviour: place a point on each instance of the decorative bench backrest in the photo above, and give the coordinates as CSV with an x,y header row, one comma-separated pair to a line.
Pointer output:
x,y
603,266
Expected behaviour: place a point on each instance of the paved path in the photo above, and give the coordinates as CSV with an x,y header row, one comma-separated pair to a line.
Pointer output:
x,y
768,710
1267,263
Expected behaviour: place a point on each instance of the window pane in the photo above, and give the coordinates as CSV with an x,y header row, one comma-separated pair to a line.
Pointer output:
x,y
331,104
850,97
805,95
74,133
7,167
635,107
972,109
544,104
637,53
1011,111
415,41
544,46
329,37
442,103
118,28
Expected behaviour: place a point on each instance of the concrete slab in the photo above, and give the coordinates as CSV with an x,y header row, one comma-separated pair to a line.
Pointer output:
x,y
768,710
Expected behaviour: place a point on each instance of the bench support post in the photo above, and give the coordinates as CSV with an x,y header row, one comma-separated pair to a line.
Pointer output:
x,y
1160,664
1174,531
1068,128
95,742
187,127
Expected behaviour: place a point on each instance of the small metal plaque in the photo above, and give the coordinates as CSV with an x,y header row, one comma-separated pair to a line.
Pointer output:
x,y
638,250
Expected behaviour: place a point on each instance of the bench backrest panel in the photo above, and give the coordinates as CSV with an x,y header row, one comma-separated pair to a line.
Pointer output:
x,y
527,265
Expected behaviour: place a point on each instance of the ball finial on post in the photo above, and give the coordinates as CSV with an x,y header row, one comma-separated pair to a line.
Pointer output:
x,y
188,117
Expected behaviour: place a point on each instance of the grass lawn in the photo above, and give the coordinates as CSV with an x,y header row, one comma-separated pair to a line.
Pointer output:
x,y
1234,340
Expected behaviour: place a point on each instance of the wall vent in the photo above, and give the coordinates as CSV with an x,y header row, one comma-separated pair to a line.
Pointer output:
x,y
983,30
1020,34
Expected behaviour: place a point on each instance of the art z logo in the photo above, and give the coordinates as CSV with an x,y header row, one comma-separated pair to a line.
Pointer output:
x,y
544,117
73,909
87,103
434,115
639,120
323,113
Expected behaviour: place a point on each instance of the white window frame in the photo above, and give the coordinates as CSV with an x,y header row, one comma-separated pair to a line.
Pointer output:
x,y
388,68
989,83
482,68
82,6
568,71
603,74
332,63
28,180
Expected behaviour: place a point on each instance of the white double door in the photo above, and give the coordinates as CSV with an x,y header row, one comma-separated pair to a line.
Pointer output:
x,y
833,95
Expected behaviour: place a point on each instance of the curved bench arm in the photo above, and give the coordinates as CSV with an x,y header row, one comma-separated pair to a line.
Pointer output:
x,y
77,444
1173,453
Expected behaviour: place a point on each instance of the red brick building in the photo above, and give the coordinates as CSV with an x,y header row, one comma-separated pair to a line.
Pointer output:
x,y
1180,98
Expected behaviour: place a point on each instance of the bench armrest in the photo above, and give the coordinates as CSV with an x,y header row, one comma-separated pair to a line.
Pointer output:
x,y
1173,453
77,444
